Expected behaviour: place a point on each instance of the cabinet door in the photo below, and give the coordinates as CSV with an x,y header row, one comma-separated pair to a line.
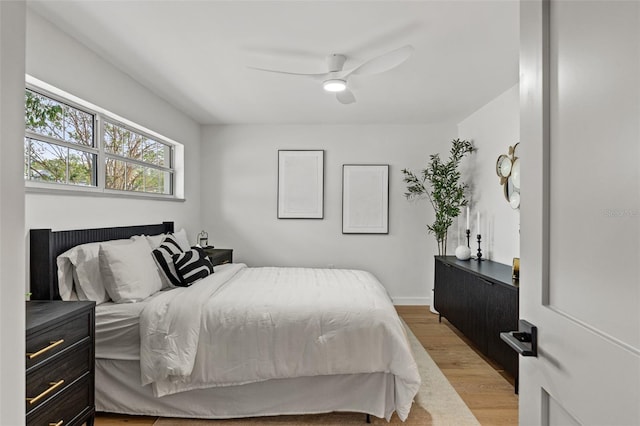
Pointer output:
x,y
475,326
450,297
442,294
502,315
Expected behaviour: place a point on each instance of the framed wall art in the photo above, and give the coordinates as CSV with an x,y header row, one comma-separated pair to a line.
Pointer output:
x,y
365,199
300,184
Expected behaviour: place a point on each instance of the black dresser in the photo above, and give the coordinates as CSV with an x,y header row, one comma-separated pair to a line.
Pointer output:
x,y
60,363
481,300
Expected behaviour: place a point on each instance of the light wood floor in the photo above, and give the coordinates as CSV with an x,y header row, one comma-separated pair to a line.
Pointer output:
x,y
485,388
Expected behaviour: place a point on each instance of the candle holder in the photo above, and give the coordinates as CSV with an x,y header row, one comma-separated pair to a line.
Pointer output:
x,y
468,237
479,255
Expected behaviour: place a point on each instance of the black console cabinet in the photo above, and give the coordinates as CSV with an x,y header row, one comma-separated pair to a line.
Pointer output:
x,y
481,300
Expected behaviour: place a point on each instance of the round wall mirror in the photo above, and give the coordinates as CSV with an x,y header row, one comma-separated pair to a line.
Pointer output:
x,y
508,170
515,174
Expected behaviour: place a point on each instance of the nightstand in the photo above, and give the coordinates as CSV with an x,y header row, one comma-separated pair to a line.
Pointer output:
x,y
60,362
219,256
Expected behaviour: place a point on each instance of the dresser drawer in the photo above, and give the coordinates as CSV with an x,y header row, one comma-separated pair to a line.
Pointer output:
x,y
40,346
71,407
48,379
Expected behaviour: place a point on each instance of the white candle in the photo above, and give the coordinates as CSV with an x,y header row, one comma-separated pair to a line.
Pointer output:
x,y
478,224
468,217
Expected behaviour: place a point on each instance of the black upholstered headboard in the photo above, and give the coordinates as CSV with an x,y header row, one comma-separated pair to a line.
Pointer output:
x,y
47,245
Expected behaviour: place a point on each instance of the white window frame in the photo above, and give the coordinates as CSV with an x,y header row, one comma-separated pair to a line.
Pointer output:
x,y
59,142
171,159
176,169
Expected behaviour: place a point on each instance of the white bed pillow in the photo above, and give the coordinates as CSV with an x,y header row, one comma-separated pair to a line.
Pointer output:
x,y
166,268
154,241
79,272
128,271
65,278
183,241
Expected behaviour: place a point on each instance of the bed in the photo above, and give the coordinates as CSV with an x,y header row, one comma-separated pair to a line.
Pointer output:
x,y
242,342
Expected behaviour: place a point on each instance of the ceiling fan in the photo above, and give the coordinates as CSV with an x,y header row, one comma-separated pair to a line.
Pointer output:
x,y
336,79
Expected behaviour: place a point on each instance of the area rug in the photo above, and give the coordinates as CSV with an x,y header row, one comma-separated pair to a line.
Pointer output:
x,y
437,404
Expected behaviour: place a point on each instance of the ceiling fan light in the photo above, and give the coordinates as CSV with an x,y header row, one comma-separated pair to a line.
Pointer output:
x,y
334,85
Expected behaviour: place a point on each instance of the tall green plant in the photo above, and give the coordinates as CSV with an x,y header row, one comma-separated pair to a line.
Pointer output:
x,y
440,183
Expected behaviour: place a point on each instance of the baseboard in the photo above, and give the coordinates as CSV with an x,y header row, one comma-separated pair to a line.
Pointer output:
x,y
418,301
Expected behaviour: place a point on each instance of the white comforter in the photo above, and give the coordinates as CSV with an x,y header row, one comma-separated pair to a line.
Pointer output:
x,y
243,325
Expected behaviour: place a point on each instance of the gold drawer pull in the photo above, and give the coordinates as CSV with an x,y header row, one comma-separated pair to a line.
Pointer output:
x,y
60,423
53,386
43,350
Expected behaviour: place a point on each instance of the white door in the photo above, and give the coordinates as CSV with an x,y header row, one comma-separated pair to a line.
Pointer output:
x,y
580,211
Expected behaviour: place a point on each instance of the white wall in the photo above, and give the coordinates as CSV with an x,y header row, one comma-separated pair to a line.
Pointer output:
x,y
493,128
59,60
12,264
239,200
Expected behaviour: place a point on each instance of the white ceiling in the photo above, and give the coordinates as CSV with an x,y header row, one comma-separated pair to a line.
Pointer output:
x,y
195,54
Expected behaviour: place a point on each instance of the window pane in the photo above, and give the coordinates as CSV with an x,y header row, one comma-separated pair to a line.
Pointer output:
x,y
115,174
48,162
43,115
126,176
78,126
161,154
49,117
149,151
135,146
81,167
135,178
158,181
126,143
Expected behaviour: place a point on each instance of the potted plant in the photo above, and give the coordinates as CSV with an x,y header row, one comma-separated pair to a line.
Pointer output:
x,y
440,184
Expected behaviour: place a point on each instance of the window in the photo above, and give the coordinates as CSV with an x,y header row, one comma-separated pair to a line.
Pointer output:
x,y
77,146
59,142
135,162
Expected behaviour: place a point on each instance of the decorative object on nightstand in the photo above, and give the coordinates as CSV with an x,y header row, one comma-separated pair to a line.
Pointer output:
x,y
508,170
219,256
203,239
60,345
440,183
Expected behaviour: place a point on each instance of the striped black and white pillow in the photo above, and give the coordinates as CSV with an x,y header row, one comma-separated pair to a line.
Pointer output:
x,y
192,265
163,256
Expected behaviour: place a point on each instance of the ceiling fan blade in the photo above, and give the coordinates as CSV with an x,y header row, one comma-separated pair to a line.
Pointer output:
x,y
346,97
320,76
382,63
